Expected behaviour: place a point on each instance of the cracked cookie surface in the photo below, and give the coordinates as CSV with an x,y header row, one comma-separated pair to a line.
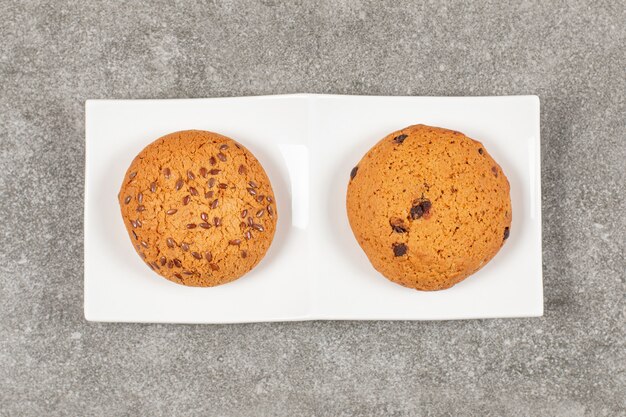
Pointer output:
x,y
198,207
429,207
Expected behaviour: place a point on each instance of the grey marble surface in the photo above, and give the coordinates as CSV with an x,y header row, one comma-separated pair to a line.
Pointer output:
x,y
54,55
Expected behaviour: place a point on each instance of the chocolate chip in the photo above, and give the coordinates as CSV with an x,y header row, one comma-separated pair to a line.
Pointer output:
x,y
400,138
495,171
399,249
420,208
353,172
480,151
397,225
507,231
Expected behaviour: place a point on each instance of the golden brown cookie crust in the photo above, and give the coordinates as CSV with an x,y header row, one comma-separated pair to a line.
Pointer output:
x,y
429,206
198,207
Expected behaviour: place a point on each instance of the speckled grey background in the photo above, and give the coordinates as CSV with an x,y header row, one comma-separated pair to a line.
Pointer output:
x,y
53,56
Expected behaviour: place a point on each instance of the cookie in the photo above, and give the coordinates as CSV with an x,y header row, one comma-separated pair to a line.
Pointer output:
x,y
429,207
198,207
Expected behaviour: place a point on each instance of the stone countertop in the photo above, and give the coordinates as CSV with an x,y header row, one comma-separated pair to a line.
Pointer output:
x,y
54,56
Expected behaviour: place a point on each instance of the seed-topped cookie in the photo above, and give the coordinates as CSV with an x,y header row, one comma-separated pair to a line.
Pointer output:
x,y
198,207
429,207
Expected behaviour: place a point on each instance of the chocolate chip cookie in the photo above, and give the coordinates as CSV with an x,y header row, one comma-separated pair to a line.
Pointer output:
x,y
429,206
198,207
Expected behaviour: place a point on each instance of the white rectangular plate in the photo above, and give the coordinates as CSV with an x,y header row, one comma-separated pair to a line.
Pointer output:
x,y
315,269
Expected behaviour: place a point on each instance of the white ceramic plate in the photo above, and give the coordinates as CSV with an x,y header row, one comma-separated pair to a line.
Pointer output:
x,y
315,269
